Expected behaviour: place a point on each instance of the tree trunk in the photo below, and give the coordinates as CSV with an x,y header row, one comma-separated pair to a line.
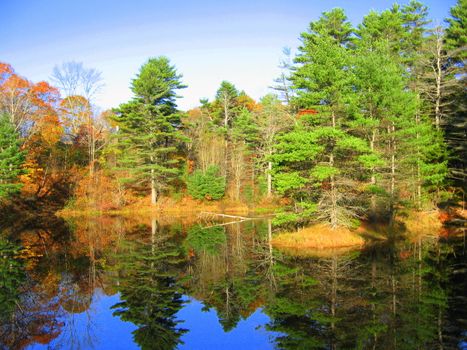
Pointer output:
x,y
438,72
419,179
269,179
153,188
226,112
373,175
334,218
391,130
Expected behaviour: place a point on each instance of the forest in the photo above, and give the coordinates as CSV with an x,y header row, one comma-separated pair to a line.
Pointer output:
x,y
362,122
327,214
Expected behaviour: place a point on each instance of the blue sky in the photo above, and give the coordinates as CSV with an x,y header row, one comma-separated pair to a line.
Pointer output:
x,y
208,41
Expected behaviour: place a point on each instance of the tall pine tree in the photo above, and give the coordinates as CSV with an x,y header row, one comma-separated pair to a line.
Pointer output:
x,y
149,127
316,162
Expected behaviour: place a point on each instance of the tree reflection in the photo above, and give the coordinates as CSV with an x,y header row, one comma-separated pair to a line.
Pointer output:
x,y
150,294
396,294
390,297
224,276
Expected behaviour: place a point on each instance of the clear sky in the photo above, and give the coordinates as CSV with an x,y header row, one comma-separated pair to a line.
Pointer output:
x,y
207,40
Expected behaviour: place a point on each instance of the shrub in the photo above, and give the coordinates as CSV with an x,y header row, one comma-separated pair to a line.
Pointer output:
x,y
206,185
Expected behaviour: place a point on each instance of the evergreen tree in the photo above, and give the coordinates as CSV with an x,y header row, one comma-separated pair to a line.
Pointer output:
x,y
415,18
150,126
206,185
11,158
387,25
316,162
456,32
226,100
390,73
333,24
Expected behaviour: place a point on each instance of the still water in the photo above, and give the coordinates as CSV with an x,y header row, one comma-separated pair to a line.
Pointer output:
x,y
168,283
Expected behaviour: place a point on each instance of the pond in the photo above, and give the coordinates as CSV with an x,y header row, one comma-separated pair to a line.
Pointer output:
x,y
177,283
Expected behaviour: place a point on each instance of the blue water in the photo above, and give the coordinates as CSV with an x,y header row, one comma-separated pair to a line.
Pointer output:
x,y
97,328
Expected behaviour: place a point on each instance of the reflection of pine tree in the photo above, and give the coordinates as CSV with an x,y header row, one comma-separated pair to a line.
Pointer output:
x,y
149,291
421,298
291,308
406,297
223,274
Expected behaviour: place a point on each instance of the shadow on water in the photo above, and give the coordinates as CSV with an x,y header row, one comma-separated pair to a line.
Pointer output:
x,y
63,284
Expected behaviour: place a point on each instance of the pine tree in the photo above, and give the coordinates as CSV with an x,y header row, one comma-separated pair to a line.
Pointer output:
x,y
385,26
390,75
226,97
316,162
456,33
11,158
150,127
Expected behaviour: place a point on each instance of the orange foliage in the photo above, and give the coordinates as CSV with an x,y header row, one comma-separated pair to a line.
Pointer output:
x,y
5,68
247,102
25,102
191,165
50,129
99,192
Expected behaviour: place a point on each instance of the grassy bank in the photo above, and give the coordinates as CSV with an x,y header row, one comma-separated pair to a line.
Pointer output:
x,y
177,207
319,236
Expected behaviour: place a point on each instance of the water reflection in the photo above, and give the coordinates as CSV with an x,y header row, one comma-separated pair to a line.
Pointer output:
x,y
121,283
150,291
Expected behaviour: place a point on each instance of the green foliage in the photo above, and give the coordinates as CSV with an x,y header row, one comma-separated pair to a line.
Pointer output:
x,y
206,185
248,193
332,24
11,158
156,84
244,128
456,33
323,172
149,135
285,218
225,104
227,90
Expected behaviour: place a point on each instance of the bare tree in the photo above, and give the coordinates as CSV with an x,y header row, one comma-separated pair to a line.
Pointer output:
x,y
439,81
80,85
283,85
72,78
272,119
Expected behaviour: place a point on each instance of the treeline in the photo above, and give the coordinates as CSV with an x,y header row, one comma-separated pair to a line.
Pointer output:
x,y
365,120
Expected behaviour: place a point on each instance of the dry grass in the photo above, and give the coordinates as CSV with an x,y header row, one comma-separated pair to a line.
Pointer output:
x,y
167,205
318,236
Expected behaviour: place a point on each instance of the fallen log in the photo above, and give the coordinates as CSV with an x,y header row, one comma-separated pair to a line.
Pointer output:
x,y
210,214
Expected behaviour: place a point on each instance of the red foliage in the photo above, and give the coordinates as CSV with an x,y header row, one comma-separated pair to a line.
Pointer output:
x,y
405,254
307,112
